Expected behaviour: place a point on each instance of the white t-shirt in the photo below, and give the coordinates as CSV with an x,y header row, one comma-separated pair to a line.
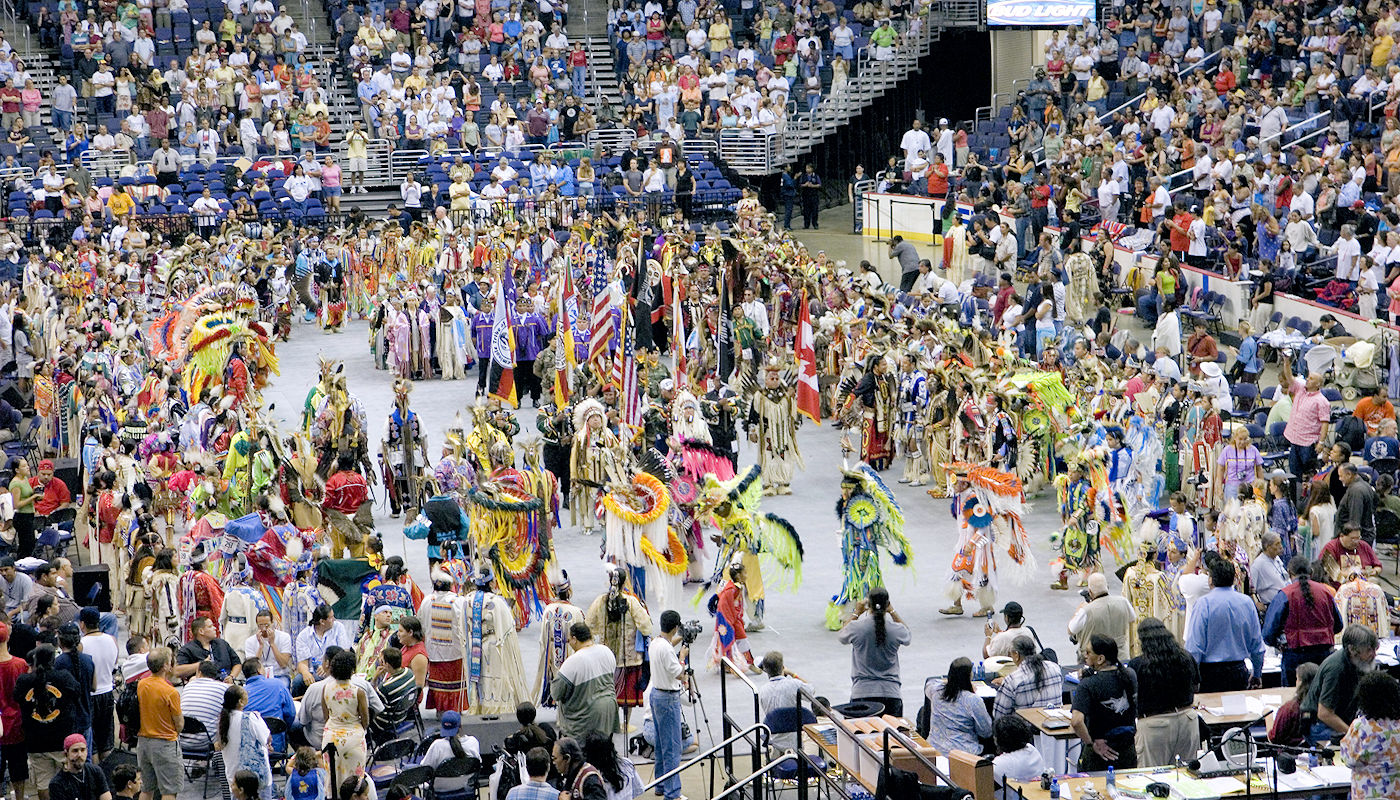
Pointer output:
x,y
1348,259
253,647
103,650
1197,231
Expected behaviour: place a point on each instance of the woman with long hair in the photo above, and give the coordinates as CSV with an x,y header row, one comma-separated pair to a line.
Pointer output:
x,y
23,493
1320,514
1289,727
1036,682
1371,746
47,698
1302,620
244,738
619,776
875,634
1167,724
163,599
958,718
346,707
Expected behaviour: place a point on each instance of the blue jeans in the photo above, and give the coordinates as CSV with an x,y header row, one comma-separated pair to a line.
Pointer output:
x,y
666,712
580,73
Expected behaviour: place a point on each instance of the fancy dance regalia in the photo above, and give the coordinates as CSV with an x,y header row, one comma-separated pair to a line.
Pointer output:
x,y
698,457
988,504
639,538
755,539
511,526
871,520
445,526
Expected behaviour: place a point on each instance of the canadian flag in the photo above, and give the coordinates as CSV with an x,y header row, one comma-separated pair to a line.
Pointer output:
x,y
808,395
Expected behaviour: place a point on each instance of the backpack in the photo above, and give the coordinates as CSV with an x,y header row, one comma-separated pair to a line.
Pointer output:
x,y
128,712
507,772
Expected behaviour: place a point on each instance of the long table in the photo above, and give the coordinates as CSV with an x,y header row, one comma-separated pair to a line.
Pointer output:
x,y
1327,781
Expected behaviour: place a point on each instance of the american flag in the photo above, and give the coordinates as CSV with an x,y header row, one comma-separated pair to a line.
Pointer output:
x,y
630,394
600,322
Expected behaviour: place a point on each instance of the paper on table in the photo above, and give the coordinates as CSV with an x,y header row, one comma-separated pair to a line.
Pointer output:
x,y
1224,785
1272,700
1332,773
984,690
1234,705
1299,780
1056,713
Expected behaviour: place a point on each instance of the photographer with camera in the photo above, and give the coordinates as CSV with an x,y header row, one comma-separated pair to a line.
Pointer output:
x,y
667,680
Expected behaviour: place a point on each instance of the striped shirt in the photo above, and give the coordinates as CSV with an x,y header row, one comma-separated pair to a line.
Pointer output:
x,y
1020,690
203,699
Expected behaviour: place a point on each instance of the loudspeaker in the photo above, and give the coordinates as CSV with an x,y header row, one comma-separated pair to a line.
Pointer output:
x,y
9,392
92,586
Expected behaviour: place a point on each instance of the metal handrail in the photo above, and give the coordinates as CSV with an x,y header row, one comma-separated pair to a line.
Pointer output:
x,y
744,734
752,776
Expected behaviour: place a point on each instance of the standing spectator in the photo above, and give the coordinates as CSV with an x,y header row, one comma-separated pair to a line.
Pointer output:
x,y
1105,709
1302,620
809,186
1332,702
1358,504
875,634
1307,422
46,696
1267,575
1109,614
958,718
665,698
102,649
1223,632
64,104
1168,729
908,259
243,738
12,747
584,686
1371,746
787,194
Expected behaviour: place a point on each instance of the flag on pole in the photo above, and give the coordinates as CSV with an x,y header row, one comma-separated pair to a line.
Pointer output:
x,y
600,328
678,341
724,344
629,390
808,395
564,345
621,355
503,342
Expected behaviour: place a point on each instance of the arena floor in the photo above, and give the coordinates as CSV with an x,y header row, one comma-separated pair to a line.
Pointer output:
x,y
796,618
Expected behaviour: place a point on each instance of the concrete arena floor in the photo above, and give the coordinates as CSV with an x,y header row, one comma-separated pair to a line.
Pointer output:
x,y
795,619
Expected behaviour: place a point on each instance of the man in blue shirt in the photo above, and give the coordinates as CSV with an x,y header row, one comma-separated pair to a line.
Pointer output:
x,y
1224,632
270,697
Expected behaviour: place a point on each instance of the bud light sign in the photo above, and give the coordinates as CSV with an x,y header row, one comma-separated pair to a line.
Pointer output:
x,y
1039,14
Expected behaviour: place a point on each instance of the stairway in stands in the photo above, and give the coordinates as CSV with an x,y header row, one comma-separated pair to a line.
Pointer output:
x,y
806,130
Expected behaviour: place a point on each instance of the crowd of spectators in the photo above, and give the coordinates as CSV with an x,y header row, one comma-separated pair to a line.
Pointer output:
x,y
1273,126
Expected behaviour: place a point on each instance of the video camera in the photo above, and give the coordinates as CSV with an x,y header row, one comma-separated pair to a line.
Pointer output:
x,y
690,631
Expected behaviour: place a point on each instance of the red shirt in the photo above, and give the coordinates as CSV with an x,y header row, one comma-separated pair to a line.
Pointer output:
x,y
578,58
9,709
1040,196
10,98
54,495
1179,240
938,180
346,492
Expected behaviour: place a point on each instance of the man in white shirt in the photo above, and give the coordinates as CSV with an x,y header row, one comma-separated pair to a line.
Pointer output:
x,y
914,141
1348,250
1108,192
102,648
1201,171
1196,250
442,750
755,310
313,644
665,698
944,136
271,646
1161,199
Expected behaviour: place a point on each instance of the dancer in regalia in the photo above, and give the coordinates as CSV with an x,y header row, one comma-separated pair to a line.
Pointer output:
x,y
871,520
988,503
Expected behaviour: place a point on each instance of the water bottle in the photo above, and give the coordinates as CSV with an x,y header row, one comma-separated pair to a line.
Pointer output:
x,y
1312,759
1111,783
981,673
1054,789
